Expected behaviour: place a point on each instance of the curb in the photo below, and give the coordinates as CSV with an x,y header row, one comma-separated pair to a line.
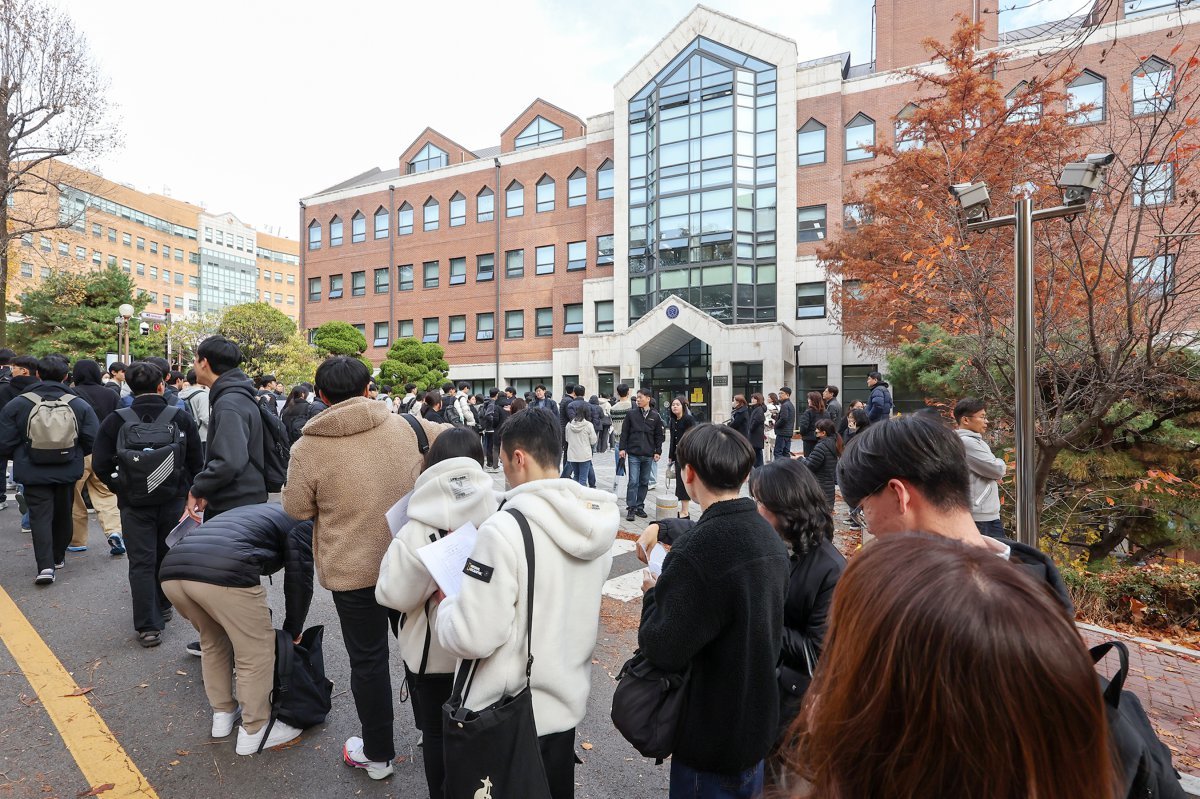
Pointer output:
x,y
1190,785
1178,650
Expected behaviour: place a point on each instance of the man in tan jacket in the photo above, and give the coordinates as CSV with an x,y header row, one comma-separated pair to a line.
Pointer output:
x,y
333,481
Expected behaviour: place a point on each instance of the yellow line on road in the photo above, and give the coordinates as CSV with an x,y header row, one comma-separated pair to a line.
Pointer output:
x,y
93,745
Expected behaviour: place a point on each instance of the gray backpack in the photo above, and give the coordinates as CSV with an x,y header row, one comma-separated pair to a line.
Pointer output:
x,y
52,429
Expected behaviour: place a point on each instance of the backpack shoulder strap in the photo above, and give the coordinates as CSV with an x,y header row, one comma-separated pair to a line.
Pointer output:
x,y
422,438
34,397
284,653
167,414
527,535
128,416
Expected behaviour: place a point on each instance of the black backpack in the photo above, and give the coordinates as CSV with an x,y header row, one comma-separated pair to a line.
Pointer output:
x,y
1144,760
648,706
302,695
150,457
276,449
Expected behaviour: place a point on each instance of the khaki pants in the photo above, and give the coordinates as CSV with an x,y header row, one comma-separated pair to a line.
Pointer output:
x,y
235,630
103,500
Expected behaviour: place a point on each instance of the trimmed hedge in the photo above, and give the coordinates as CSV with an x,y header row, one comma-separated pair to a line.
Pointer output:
x,y
1153,596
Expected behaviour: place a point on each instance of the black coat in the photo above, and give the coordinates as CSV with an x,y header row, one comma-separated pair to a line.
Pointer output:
x,y
294,417
806,617
758,426
642,436
806,426
13,446
718,608
233,470
678,428
147,407
238,547
103,401
785,419
739,420
822,462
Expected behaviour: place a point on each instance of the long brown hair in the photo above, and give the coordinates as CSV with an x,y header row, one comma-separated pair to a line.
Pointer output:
x,y
816,401
949,672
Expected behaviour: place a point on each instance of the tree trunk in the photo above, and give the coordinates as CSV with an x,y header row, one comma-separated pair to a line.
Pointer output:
x,y
1045,456
1111,539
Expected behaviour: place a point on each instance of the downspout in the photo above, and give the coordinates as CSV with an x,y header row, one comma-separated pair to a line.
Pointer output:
x,y
496,273
392,264
303,288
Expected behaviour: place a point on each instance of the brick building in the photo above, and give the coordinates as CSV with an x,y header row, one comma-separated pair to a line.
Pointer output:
x,y
672,242
186,260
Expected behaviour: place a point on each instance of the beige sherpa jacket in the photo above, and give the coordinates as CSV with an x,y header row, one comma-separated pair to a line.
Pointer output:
x,y
354,461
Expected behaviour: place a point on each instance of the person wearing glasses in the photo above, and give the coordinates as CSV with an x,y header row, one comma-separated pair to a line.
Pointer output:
x,y
970,415
911,475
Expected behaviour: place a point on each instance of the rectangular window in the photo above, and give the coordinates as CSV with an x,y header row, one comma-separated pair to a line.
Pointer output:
x,y
458,211
604,181
485,326
141,269
811,378
96,257
45,244
854,214
358,284
127,239
514,263
291,299
576,255
112,234
404,220
810,300
576,189
381,280
154,248
430,330
485,207
573,318
485,267
221,238
810,144
179,278
514,324
335,233
404,278
153,269
1153,184
404,329
458,271
279,277
141,243
1085,99
63,248
178,254
381,335
358,229
860,134
433,215
545,195
97,230
514,200
430,272
381,224
544,258
166,273
604,250
604,316
166,298
810,223
81,253
458,329
543,322
335,287
194,281
125,265
1153,276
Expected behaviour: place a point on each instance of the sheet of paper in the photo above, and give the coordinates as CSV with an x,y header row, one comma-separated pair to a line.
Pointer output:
x,y
397,515
185,526
657,556
446,558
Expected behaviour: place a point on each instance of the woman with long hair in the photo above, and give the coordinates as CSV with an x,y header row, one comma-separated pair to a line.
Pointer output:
x,y
295,413
858,420
789,498
453,489
806,425
844,422
431,407
758,427
680,421
949,672
739,419
822,459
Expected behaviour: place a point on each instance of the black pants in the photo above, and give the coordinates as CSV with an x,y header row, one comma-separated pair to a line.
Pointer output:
x,y
145,530
428,693
558,758
491,448
365,632
50,507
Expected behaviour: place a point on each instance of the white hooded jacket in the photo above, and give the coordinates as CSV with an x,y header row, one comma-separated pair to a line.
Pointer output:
x,y
573,528
581,437
446,496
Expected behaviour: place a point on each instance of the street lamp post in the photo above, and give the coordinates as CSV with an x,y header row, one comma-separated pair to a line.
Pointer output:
x,y
1077,182
126,311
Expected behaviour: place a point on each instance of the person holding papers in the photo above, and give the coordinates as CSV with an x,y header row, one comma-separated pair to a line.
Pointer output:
x,y
452,497
335,478
573,529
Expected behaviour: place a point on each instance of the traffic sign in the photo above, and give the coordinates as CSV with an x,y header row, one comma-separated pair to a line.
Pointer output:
x,y
156,316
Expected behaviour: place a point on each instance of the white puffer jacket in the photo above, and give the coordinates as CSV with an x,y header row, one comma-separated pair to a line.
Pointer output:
x,y
446,496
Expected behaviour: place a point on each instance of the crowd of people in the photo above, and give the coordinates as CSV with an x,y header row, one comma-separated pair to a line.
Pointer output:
x,y
806,675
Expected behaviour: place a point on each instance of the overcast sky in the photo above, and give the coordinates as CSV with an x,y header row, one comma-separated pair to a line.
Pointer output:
x,y
248,105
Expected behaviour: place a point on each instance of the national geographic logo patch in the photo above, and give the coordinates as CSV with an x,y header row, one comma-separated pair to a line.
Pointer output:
x,y
477,570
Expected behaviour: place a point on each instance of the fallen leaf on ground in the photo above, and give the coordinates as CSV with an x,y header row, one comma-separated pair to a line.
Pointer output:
x,y
81,691
586,745
99,789
181,673
182,752
173,763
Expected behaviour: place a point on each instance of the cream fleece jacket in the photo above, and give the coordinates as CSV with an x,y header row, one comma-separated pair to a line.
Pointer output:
x,y
573,532
581,437
354,461
447,496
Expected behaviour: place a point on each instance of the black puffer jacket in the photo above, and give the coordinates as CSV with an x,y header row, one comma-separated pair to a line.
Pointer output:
x,y
295,416
238,547
232,474
739,420
822,462
805,620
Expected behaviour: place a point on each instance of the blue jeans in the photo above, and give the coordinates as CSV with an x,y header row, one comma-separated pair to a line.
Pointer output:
x,y
584,471
992,527
639,481
616,448
688,783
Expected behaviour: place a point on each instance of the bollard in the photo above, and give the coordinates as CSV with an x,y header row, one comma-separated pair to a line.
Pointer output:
x,y
666,506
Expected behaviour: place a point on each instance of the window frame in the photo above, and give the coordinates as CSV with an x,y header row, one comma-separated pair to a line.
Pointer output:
x,y
314,227
336,287
576,264
571,309
358,228
1087,78
480,214
511,332
428,282
336,231
479,273
810,127
405,211
381,341
490,331
601,258
451,335
544,186
356,278
1141,181
426,336
1157,100
610,322
384,286
385,215
854,124
543,132
539,265
459,279
401,283
821,229
431,221
824,295
577,188
542,328
509,271
605,180
514,189
459,199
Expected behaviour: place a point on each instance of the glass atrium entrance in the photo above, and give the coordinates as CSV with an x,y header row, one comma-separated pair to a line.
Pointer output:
x,y
684,372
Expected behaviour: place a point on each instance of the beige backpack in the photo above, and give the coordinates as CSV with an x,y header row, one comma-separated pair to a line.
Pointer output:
x,y
52,429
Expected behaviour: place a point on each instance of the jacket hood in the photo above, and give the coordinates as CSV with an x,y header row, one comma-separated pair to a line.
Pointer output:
x,y
581,521
233,380
964,433
450,493
579,423
86,372
353,416
190,390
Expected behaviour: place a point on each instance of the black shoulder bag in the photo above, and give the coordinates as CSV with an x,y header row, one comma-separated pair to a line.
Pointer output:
x,y
496,748
302,695
648,706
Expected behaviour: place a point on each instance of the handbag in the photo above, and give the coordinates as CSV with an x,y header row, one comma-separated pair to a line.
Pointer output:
x,y
648,706
302,695
494,752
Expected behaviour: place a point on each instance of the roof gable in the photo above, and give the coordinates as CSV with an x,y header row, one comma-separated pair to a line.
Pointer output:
x,y
456,153
573,127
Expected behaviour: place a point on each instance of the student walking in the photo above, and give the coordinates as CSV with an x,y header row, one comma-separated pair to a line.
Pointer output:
x,y
641,444
86,376
581,437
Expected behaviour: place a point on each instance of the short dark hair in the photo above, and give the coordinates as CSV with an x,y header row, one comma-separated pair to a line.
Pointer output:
x,y
786,390
117,366
457,442
387,389
580,390
509,390
410,387
26,362
372,387
6,356
161,363
191,376
221,353
914,448
341,377
874,375
622,390
568,388
175,376
447,387
720,456
832,390
432,398
143,377
646,392
968,406
536,432
539,386
788,489
493,392
268,379
463,385
53,368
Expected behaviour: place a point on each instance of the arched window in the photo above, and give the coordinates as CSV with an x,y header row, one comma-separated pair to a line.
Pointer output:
x,y
358,227
810,143
404,220
485,205
429,157
1152,87
577,188
1085,98
335,232
458,210
545,194
1021,107
314,235
381,223
907,137
514,199
860,134
604,181
539,131
432,214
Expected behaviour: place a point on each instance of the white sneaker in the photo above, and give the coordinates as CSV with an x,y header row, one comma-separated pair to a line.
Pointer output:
x,y
352,754
223,722
281,733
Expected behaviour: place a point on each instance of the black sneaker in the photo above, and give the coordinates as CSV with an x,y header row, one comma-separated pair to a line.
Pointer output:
x,y
168,614
629,516
641,514
193,648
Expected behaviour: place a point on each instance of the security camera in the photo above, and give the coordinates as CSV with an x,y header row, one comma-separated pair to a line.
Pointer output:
x,y
1080,179
144,327
974,200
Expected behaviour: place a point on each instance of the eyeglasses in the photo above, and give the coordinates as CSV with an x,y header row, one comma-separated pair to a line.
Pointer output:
x,y
857,514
